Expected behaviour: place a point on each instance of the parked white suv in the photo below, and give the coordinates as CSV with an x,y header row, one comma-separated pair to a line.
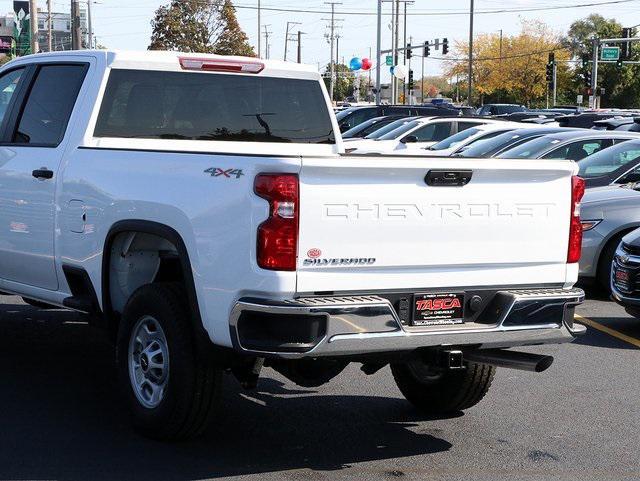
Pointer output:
x,y
200,209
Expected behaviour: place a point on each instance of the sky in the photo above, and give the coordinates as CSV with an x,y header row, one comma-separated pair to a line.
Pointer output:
x,y
125,24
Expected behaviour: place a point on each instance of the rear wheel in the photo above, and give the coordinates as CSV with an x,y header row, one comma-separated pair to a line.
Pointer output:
x,y
170,390
437,391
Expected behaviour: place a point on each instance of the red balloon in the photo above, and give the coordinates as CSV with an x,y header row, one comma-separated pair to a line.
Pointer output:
x,y
366,64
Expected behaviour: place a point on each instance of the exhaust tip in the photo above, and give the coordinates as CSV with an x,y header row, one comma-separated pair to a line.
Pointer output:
x,y
544,363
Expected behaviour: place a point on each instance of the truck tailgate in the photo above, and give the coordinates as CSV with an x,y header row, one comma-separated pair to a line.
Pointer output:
x,y
374,223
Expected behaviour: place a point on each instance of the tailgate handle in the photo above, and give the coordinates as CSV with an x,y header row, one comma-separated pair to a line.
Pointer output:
x,y
455,178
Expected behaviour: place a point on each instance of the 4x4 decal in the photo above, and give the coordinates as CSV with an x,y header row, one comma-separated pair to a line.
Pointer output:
x,y
218,172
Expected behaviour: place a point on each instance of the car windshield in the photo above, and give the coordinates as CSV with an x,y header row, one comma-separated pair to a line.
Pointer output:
x,y
609,160
486,147
455,139
508,109
388,128
529,150
342,114
359,128
398,131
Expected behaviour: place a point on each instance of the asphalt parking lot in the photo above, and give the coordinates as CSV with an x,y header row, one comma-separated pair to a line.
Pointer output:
x,y
60,417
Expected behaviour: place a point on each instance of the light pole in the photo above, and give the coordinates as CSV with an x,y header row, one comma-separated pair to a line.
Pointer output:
x,y
470,54
378,54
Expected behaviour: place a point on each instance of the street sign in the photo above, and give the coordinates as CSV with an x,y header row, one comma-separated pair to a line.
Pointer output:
x,y
580,99
389,60
610,53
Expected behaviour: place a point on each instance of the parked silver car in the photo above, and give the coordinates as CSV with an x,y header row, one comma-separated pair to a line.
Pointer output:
x,y
607,213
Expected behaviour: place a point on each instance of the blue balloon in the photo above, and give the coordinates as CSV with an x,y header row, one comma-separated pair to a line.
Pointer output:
x,y
355,63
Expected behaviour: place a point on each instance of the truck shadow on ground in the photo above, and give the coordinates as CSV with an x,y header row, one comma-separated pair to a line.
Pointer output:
x,y
60,417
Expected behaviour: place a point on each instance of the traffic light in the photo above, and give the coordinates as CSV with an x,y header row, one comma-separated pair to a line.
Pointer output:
x,y
550,67
427,49
410,83
587,78
585,61
619,63
408,51
445,46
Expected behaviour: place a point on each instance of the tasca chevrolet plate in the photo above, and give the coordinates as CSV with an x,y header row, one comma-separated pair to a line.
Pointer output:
x,y
438,309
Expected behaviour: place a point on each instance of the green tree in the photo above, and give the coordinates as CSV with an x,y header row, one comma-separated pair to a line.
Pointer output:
x,y
197,26
344,81
621,86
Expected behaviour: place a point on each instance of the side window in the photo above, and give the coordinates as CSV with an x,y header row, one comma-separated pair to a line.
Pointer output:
x,y
48,108
8,85
633,176
433,132
578,150
466,125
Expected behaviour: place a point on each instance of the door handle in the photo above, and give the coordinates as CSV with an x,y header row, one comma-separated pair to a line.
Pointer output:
x,y
453,178
42,173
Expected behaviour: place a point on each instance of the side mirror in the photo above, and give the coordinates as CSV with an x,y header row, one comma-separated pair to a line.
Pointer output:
x,y
410,139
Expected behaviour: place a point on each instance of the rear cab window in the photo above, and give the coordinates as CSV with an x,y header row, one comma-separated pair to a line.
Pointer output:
x,y
215,107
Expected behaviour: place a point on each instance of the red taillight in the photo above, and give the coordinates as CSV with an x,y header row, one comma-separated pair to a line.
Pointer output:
x,y
221,65
278,235
575,229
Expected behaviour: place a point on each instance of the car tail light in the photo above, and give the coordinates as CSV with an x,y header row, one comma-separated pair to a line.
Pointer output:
x,y
575,229
278,235
221,65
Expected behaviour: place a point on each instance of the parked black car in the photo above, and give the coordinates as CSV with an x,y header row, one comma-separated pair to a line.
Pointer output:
x,y
586,120
348,119
500,109
628,124
369,126
625,273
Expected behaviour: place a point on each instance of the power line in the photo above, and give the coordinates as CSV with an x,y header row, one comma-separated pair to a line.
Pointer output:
x,y
440,13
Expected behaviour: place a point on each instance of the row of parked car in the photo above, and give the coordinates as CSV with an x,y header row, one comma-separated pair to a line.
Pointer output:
x,y
606,148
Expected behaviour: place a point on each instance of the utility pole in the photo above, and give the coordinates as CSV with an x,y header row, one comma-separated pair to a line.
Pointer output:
x,y
332,27
49,29
555,82
378,48
266,41
33,25
404,31
89,27
500,63
300,46
76,35
470,54
422,83
259,32
396,39
286,38
337,49
594,73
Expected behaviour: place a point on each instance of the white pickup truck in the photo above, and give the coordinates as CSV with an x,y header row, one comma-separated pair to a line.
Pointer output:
x,y
201,209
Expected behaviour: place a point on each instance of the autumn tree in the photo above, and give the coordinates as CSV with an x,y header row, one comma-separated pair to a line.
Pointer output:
x,y
196,26
519,74
232,40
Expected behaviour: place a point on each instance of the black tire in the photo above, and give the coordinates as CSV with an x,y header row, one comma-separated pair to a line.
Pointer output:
x,y
193,384
442,392
603,274
39,304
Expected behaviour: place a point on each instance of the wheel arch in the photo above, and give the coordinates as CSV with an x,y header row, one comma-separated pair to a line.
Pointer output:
x,y
171,235
619,234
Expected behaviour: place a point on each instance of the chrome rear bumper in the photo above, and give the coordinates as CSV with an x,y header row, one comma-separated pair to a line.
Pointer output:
x,y
368,324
